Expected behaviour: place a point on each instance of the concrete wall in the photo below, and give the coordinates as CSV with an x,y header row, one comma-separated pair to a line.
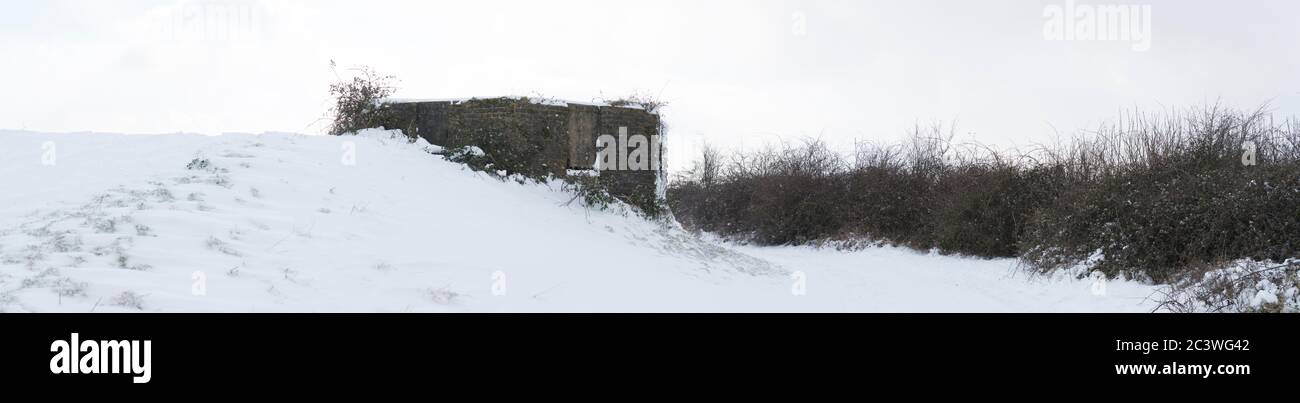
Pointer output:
x,y
534,138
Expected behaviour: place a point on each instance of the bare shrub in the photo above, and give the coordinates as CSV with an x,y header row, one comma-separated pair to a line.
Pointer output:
x,y
1241,287
219,245
444,296
357,102
129,299
1150,197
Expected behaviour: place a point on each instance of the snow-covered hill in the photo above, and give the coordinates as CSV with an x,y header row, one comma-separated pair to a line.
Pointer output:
x,y
282,222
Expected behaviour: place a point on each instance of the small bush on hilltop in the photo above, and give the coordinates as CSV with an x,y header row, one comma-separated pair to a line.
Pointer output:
x,y
357,101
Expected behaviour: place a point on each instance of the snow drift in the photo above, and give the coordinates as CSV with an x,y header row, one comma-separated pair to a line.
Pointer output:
x,y
371,223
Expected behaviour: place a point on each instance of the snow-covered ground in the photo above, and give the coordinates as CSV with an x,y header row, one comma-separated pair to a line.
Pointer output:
x,y
282,222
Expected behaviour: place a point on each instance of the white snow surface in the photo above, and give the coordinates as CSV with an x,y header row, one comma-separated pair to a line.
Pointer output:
x,y
96,222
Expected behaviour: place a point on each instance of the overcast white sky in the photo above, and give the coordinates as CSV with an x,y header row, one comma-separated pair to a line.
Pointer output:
x,y
732,71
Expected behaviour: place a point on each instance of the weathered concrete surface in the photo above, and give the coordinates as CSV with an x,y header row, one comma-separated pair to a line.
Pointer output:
x,y
535,138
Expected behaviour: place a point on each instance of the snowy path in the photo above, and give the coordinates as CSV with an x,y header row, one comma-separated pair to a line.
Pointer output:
x,y
278,222
892,279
